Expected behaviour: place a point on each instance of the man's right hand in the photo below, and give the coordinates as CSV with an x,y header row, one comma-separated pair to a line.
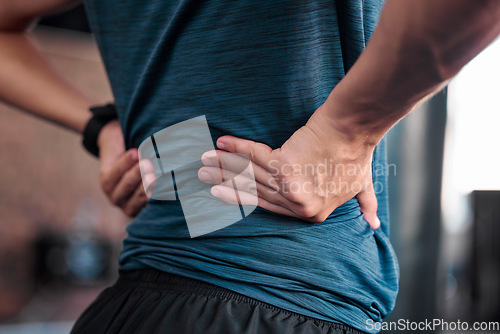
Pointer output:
x,y
314,172
120,175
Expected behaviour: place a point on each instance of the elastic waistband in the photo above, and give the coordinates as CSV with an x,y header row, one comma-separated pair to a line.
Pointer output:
x,y
155,279
158,280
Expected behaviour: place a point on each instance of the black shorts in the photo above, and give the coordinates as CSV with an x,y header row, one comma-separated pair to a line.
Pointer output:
x,y
150,301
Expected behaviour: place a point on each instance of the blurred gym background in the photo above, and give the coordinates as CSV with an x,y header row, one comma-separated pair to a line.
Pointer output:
x,y
60,239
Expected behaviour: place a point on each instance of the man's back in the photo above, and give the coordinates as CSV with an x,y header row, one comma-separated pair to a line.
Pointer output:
x,y
256,70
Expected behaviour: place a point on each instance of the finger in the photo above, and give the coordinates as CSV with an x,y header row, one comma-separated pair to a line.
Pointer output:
x,y
148,176
235,162
135,203
258,153
368,205
126,186
230,196
214,175
239,165
150,180
112,173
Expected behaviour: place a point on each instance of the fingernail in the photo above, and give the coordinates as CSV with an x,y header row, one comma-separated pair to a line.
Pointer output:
x,y
205,177
204,159
221,145
149,178
215,192
377,221
146,166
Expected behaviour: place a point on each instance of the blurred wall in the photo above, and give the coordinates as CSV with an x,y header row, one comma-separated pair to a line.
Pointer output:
x,y
416,147
47,181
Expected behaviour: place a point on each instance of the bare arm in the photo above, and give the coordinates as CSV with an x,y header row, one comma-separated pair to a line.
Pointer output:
x,y
26,78
28,81
417,47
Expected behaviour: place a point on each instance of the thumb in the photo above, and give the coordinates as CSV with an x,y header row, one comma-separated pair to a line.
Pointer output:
x,y
368,205
258,153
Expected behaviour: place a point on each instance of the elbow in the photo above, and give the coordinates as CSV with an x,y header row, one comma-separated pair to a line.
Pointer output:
x,y
445,61
452,51
445,70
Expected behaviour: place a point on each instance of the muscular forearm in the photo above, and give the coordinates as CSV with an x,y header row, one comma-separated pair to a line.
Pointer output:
x,y
29,82
417,47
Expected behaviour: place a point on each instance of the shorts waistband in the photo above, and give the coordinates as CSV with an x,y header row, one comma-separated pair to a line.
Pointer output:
x,y
158,280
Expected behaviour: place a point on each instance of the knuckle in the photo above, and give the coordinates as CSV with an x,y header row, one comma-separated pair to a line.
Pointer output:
x,y
129,212
113,200
249,186
321,217
106,185
128,187
295,193
317,219
296,197
307,210
251,154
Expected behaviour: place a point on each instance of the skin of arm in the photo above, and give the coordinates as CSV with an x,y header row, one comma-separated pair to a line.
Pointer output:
x,y
28,82
415,50
26,78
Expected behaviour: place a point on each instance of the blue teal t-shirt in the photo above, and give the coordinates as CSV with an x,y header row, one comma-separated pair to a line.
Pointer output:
x,y
258,70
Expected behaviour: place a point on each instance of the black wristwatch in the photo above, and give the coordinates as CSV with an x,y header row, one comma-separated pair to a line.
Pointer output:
x,y
102,115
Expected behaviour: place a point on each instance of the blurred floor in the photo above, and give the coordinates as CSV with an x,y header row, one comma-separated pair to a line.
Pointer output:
x,y
39,328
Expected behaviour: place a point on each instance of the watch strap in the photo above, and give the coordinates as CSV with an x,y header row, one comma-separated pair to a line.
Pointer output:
x,y
102,115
